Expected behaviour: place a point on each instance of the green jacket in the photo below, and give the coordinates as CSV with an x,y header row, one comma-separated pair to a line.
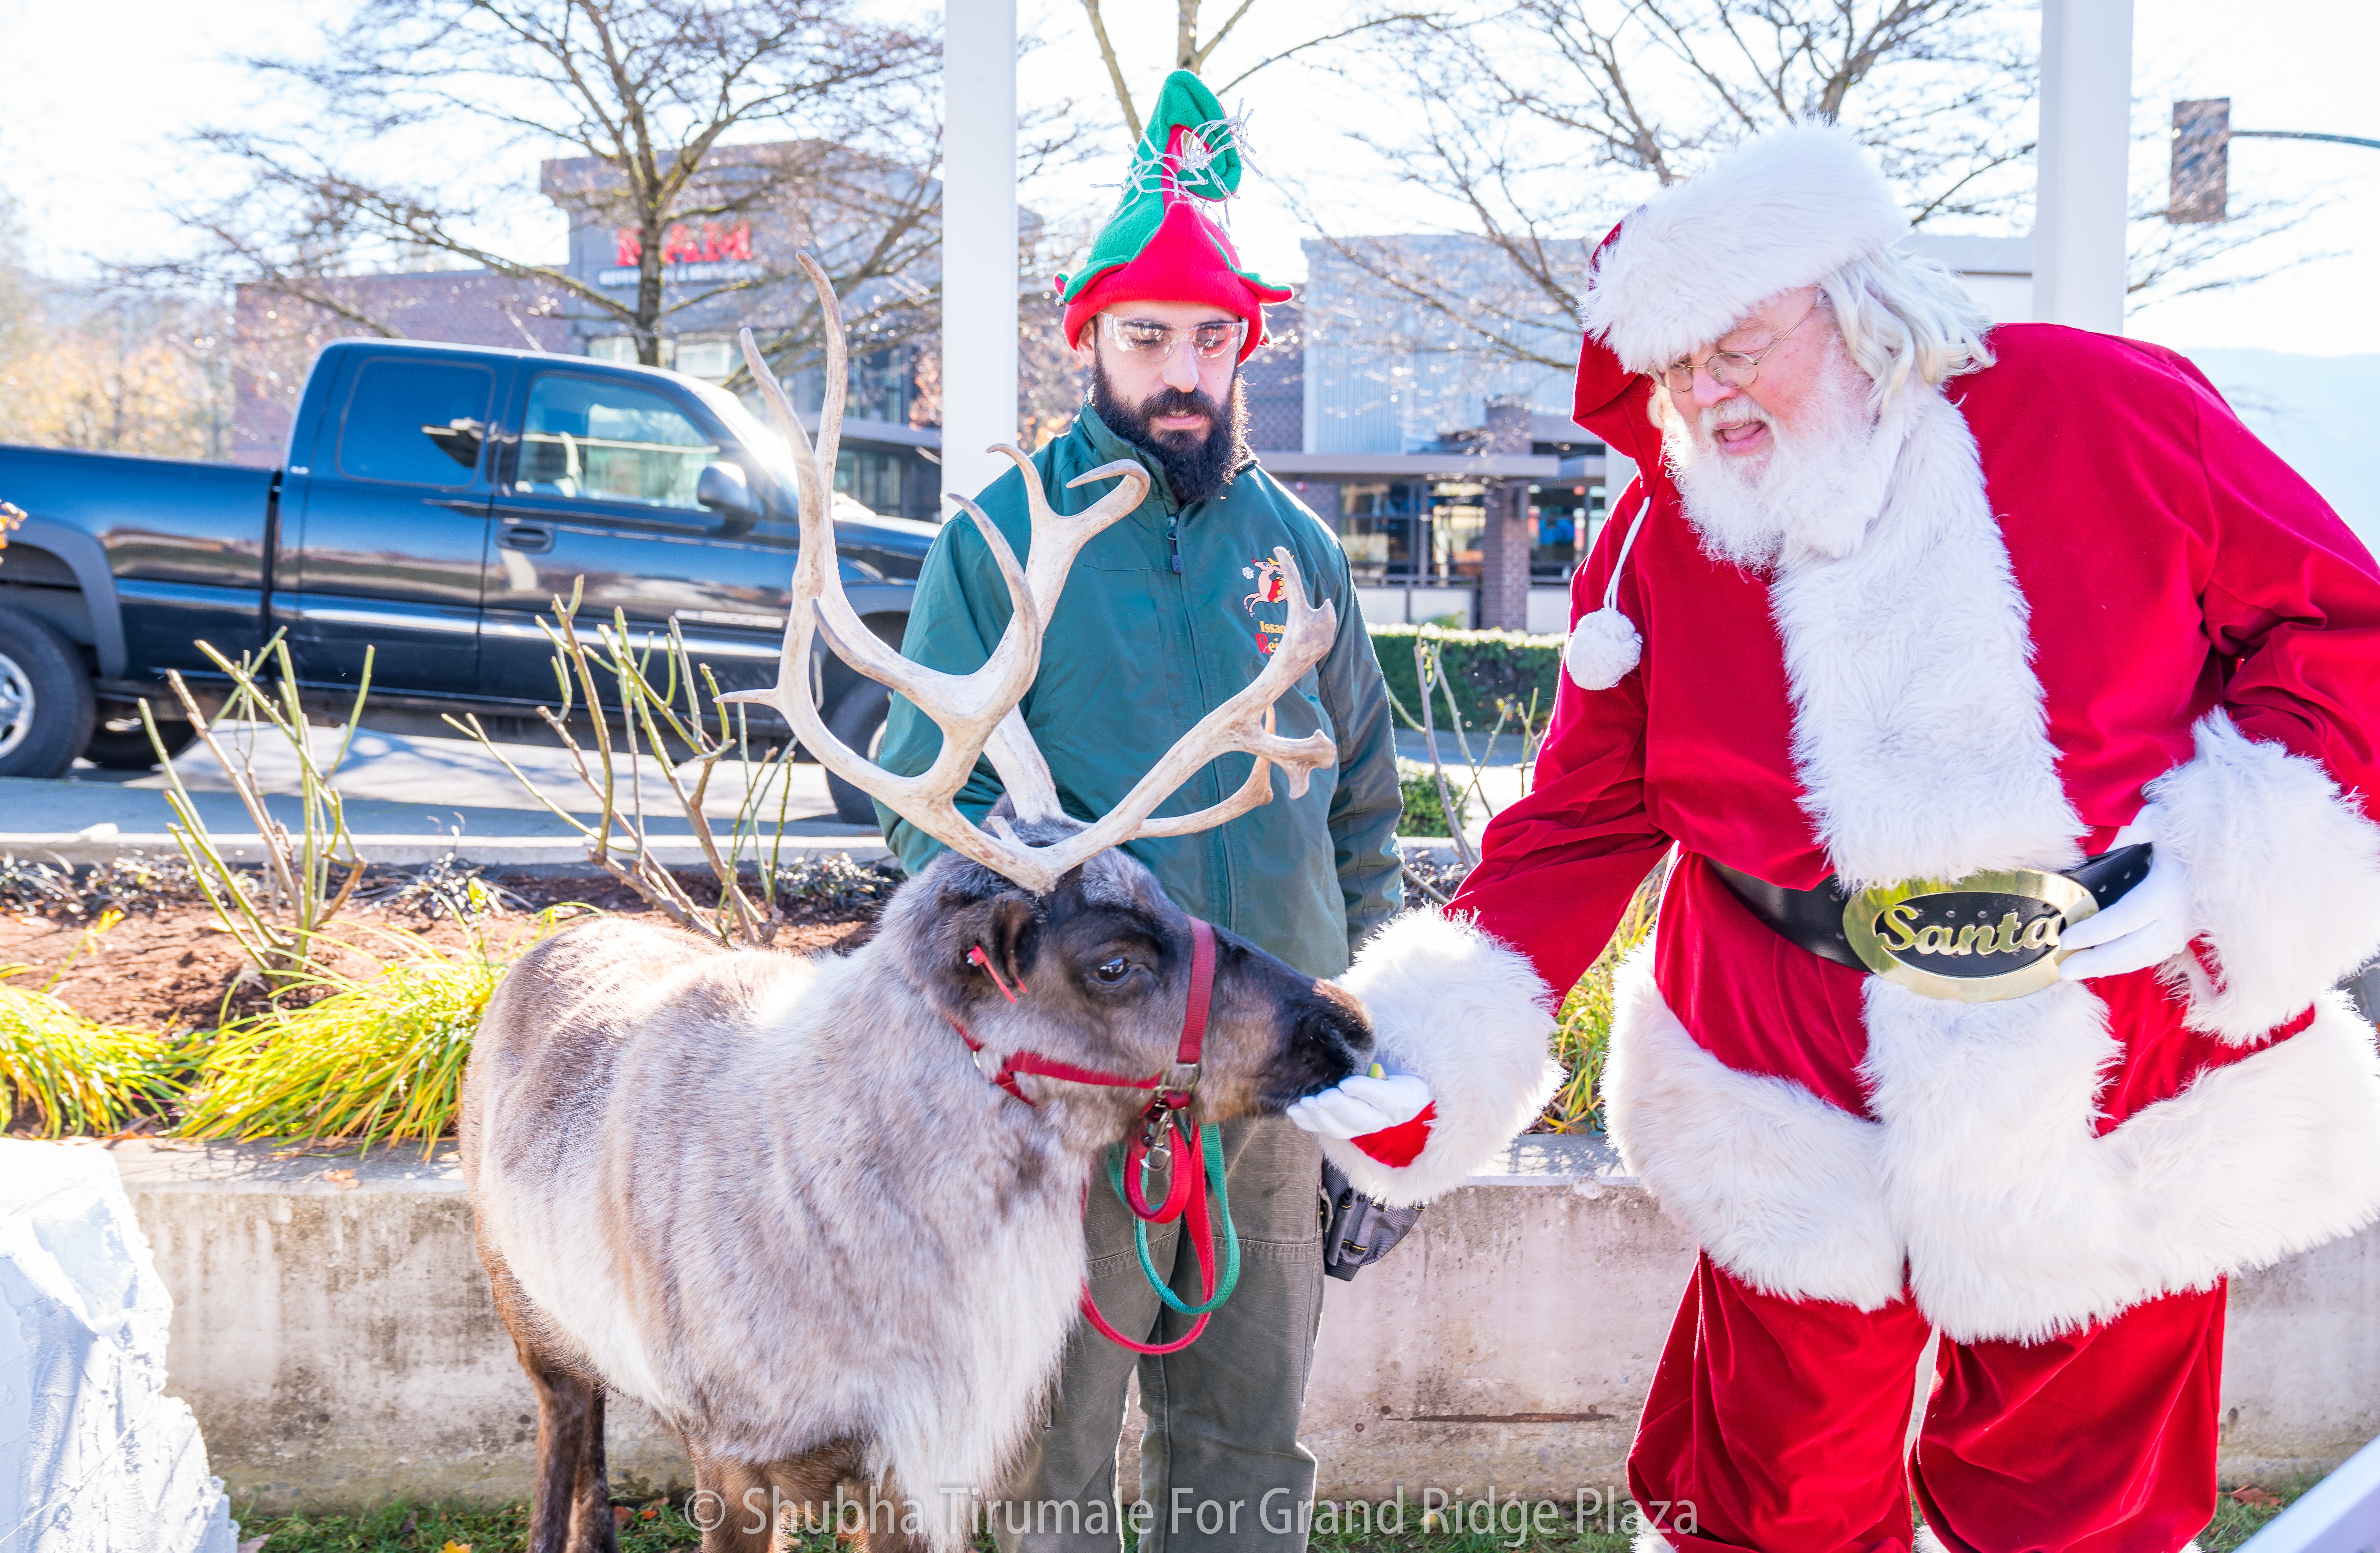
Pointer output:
x,y
1138,651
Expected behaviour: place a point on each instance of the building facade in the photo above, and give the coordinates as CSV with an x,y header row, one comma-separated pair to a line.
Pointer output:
x,y
720,275
1459,485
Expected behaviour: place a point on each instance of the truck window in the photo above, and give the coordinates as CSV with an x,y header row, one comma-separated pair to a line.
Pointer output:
x,y
416,422
608,441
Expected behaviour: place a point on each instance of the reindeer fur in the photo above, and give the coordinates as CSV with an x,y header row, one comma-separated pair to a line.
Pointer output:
x,y
774,1199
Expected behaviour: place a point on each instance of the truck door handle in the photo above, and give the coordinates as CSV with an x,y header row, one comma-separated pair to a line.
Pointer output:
x,y
526,536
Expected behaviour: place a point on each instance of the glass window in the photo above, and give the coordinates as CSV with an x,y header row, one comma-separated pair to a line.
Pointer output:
x,y
1564,522
880,382
1383,528
416,422
712,359
870,476
1458,519
606,442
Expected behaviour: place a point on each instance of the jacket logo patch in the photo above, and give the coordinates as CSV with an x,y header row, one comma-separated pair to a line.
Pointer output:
x,y
1265,571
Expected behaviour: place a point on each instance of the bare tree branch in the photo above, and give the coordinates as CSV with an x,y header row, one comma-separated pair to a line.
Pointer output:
x,y
1115,70
649,94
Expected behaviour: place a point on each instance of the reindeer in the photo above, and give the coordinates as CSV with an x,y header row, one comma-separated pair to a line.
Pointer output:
x,y
778,1199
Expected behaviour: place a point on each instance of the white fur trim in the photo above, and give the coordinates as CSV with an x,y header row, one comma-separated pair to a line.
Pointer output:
x,y
1984,1172
2021,1222
1927,1542
1787,209
1604,646
2284,873
1918,727
1649,1542
1469,1015
1781,1188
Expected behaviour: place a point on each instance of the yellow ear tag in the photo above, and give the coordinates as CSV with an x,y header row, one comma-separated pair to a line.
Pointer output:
x,y
1379,1071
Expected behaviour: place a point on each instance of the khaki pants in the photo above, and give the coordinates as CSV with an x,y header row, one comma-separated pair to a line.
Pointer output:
x,y
1220,1466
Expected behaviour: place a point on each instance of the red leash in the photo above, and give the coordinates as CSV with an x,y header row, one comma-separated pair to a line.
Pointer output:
x,y
1171,1094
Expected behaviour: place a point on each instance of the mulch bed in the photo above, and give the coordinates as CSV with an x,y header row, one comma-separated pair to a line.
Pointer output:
x,y
167,967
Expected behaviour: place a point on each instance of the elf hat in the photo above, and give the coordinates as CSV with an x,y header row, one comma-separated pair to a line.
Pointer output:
x,y
1786,209
1161,246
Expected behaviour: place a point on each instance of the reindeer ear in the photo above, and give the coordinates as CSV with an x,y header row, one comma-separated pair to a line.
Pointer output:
x,y
977,907
1008,939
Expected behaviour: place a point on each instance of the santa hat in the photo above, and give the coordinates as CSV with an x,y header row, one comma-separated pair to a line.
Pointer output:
x,y
1162,245
1783,211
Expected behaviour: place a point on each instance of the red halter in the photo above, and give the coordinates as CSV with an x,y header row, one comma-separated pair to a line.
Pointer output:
x,y
1170,1093
1172,1089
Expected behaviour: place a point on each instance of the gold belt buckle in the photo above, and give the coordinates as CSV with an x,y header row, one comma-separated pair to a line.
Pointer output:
x,y
1978,940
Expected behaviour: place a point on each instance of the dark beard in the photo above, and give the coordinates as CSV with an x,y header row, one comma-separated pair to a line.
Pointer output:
x,y
1196,470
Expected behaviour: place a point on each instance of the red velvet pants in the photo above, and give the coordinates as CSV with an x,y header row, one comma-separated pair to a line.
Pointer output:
x,y
1781,1422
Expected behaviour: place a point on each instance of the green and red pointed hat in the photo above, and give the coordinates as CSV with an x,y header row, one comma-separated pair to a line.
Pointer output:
x,y
1162,245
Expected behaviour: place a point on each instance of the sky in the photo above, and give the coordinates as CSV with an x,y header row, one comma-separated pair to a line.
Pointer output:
x,y
96,154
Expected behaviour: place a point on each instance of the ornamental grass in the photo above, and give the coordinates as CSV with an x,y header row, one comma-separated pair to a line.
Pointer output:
x,y
373,1061
1583,1028
61,1073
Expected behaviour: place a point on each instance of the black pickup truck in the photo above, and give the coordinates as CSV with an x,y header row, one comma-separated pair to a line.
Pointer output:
x,y
432,500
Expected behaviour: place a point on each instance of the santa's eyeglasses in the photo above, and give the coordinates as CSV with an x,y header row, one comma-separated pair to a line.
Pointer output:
x,y
1153,341
1729,369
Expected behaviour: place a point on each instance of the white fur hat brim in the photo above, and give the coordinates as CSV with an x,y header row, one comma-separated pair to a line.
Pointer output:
x,y
1786,209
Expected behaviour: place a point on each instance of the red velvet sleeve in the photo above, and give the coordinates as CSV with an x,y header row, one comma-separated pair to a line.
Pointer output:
x,y
1557,868
2291,599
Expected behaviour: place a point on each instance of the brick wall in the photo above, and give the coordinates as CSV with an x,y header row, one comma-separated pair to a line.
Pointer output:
x,y
1504,543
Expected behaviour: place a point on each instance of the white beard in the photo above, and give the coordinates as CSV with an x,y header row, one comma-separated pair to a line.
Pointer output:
x,y
1814,494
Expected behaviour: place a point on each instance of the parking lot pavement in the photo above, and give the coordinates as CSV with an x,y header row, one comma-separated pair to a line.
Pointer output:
x,y
417,792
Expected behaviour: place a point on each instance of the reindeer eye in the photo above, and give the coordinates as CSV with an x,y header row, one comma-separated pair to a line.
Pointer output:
x,y
1109,972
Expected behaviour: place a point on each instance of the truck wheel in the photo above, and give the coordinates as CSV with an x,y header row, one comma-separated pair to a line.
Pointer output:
x,y
859,721
118,742
47,709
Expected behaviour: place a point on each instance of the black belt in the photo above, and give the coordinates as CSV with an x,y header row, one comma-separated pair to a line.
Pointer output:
x,y
1977,940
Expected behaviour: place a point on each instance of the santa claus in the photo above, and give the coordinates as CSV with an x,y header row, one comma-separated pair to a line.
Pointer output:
x,y
2009,712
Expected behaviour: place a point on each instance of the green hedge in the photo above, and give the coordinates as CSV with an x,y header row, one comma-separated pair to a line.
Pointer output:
x,y
1483,668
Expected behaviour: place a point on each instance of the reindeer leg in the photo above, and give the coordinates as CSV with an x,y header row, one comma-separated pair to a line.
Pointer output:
x,y
887,1507
741,1498
592,1529
752,1497
569,1409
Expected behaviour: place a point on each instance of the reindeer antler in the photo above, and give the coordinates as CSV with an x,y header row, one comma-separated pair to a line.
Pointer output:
x,y
978,713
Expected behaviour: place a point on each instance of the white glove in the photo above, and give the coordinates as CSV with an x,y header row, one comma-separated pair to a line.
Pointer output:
x,y
1361,1105
2148,927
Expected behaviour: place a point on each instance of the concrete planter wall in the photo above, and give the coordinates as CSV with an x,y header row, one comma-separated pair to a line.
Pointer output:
x,y
337,1343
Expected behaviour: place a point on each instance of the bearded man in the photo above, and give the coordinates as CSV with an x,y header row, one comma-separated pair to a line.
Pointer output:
x,y
1169,613
2006,712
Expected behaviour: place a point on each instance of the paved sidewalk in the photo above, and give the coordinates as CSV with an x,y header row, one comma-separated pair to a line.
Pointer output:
x,y
408,801
411,800
1500,776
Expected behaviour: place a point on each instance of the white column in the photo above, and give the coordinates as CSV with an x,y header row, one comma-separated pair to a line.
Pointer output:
x,y
2086,107
978,240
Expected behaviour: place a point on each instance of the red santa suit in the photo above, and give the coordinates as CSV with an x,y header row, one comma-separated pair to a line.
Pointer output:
x,y
2088,586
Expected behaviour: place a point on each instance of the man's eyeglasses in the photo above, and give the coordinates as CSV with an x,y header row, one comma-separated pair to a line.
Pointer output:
x,y
1729,369
1148,339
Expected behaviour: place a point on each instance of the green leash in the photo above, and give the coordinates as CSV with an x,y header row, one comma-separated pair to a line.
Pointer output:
x,y
1211,1139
